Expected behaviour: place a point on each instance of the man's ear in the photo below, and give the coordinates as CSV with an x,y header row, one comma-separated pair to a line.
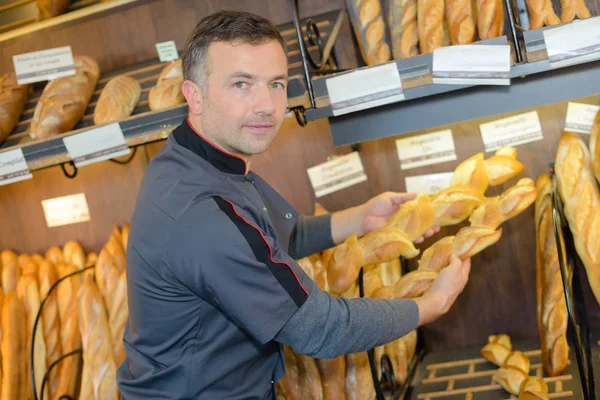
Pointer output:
x,y
193,95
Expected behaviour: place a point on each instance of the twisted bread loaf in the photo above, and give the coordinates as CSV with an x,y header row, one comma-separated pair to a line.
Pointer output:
x,y
497,350
370,29
402,21
513,372
595,146
579,192
572,9
541,13
534,388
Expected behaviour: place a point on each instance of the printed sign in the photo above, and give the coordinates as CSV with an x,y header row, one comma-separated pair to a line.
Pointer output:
x,y
580,117
44,65
427,149
337,174
573,43
365,88
66,210
523,128
96,145
428,184
472,64
167,51
13,167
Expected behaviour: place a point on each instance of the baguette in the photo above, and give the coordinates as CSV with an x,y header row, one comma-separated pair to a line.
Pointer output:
x,y
572,9
12,103
64,100
513,372
73,254
117,100
37,258
460,18
11,271
490,18
333,374
369,26
433,32
402,21
51,8
13,348
118,315
359,382
115,248
541,14
55,255
595,146
579,193
97,347
125,236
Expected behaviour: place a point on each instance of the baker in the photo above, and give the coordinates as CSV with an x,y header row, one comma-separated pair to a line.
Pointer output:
x,y
213,288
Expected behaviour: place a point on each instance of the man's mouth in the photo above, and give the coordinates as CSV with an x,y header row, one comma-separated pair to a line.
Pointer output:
x,y
259,128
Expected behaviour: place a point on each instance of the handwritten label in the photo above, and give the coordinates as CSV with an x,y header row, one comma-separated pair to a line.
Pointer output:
x,y
337,174
167,51
427,149
66,210
573,43
96,145
365,88
580,117
428,184
472,64
523,128
13,167
44,65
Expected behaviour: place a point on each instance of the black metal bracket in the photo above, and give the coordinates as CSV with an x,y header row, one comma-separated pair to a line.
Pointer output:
x,y
128,160
54,364
515,31
299,114
72,174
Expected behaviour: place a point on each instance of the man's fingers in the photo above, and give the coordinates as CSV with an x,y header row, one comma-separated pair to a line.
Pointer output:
x,y
419,240
401,198
436,229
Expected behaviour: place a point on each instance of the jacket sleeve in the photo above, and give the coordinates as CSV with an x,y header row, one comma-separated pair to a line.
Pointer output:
x,y
310,235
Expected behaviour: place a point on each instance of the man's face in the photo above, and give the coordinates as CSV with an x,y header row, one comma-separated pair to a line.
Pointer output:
x,y
244,101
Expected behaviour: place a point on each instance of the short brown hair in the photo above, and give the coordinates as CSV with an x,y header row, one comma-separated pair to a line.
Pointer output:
x,y
224,26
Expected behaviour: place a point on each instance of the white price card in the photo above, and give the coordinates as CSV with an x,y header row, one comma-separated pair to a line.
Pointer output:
x,y
13,167
96,145
522,128
167,51
44,65
472,64
365,88
427,149
66,210
337,174
428,184
580,117
573,43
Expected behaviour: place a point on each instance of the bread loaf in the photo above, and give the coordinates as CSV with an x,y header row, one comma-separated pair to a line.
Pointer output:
x,y
490,18
402,22
55,255
497,350
166,94
333,374
173,69
125,236
117,100
369,26
98,356
115,248
13,348
12,103
541,14
37,258
73,254
64,100
579,193
11,271
513,373
433,32
572,9
359,381
460,18
595,146
534,388
51,8
118,315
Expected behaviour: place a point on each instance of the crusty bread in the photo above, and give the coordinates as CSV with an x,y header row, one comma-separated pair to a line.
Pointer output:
x,y
541,14
73,254
117,100
402,22
433,32
167,93
12,103
369,26
460,19
490,18
14,348
572,9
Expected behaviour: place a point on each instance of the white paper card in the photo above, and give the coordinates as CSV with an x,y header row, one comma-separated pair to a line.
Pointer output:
x,y
337,174
365,88
522,128
13,167
167,51
96,145
472,64
428,184
427,149
580,117
66,210
573,43
44,65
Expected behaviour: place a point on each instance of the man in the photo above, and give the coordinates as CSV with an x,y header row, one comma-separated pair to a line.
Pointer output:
x,y
213,287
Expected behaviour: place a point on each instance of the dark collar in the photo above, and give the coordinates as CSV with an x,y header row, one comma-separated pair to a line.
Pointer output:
x,y
191,139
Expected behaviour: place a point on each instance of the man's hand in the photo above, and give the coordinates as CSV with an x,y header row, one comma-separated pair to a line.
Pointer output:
x,y
445,289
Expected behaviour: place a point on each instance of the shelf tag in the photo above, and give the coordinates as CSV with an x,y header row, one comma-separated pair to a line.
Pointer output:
x,y
365,88
522,128
580,117
66,210
44,65
167,51
472,65
573,43
337,174
426,149
96,145
428,184
13,167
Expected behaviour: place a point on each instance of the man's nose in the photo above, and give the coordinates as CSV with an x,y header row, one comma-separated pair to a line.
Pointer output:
x,y
263,101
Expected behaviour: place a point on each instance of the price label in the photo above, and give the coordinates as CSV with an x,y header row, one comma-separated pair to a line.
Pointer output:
x,y
365,88
580,117
13,167
96,145
472,64
428,184
573,43
44,65
523,128
167,51
337,174
66,210
427,149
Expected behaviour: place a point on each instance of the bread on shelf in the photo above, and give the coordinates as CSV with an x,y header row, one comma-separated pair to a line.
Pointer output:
x,y
117,100
13,98
490,18
167,92
51,8
370,28
402,22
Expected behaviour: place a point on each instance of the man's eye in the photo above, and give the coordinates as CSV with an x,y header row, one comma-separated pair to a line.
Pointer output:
x,y
277,85
240,85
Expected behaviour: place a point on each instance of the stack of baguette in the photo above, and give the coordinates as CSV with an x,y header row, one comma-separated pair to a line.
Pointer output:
x,y
78,314
541,12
